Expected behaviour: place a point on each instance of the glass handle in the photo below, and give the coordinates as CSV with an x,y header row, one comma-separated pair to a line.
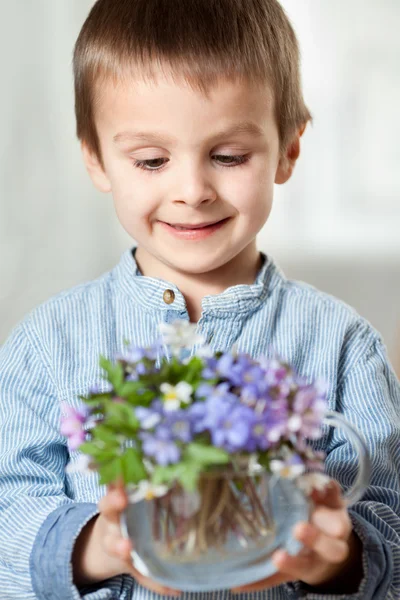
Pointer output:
x,y
334,419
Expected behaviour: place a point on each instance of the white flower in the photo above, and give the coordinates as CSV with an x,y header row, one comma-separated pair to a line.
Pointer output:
x,y
174,395
285,469
180,334
313,481
83,464
145,490
205,351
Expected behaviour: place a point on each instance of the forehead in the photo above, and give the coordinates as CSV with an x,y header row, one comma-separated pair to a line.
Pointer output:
x,y
166,103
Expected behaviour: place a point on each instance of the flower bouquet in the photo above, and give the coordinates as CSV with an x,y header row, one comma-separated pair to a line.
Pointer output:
x,y
212,450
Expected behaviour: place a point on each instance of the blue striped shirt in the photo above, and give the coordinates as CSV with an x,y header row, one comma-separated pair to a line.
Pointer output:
x,y
53,356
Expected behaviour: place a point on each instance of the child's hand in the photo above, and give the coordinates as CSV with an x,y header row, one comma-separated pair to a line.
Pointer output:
x,y
331,549
105,553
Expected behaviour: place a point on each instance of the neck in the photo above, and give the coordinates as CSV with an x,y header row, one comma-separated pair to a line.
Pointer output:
x,y
242,269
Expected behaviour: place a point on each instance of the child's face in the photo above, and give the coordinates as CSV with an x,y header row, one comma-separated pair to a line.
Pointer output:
x,y
182,171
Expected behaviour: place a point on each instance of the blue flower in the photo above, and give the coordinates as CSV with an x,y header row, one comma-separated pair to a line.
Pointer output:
x,y
220,391
160,446
228,424
232,431
148,417
258,439
179,423
209,371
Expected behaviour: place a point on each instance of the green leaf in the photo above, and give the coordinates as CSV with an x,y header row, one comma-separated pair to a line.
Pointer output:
x,y
99,453
106,435
137,392
194,370
111,471
167,474
264,460
189,477
132,465
115,372
122,416
130,387
186,473
96,400
206,455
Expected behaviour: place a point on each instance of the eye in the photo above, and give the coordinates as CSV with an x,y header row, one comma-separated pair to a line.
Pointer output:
x,y
231,160
152,164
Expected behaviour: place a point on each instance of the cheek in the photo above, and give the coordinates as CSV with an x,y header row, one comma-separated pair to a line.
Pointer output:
x,y
252,198
134,197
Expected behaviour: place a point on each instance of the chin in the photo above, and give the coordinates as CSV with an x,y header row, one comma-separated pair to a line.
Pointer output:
x,y
197,264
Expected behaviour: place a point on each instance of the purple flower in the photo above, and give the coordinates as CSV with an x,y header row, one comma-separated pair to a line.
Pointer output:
x,y
276,416
259,439
233,429
220,391
309,408
219,367
179,423
224,365
149,417
236,370
229,425
135,354
72,424
275,371
160,447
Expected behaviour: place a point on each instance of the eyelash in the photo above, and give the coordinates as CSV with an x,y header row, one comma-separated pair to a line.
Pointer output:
x,y
240,160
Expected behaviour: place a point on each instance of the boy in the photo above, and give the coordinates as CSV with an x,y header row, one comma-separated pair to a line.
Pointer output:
x,y
188,112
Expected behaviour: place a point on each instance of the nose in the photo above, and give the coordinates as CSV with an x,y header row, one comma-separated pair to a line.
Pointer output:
x,y
194,187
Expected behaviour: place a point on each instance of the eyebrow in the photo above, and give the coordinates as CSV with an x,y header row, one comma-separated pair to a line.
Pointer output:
x,y
247,127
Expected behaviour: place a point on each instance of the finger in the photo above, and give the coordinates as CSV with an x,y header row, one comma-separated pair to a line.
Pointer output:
x,y
289,565
117,546
274,580
334,523
329,549
153,586
113,504
331,496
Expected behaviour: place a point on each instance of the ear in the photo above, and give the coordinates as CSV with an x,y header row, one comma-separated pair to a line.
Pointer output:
x,y
95,170
287,161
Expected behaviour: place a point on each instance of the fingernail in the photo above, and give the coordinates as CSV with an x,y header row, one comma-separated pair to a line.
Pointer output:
x,y
121,546
279,556
305,552
300,530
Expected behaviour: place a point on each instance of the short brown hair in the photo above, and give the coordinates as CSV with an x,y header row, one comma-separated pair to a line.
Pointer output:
x,y
200,40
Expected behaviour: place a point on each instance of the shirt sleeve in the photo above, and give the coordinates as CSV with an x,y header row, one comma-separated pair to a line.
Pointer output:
x,y
368,397
38,521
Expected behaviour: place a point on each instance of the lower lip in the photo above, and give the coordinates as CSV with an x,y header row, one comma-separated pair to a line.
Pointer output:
x,y
194,234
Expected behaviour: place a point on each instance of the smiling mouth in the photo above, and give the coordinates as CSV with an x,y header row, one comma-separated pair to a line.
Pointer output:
x,y
190,227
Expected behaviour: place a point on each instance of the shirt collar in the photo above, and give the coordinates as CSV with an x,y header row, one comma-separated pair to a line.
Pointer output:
x,y
149,292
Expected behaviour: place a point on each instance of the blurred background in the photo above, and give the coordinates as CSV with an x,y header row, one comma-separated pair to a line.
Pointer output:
x,y
335,225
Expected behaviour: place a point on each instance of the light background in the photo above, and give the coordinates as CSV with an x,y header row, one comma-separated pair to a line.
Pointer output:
x,y
336,224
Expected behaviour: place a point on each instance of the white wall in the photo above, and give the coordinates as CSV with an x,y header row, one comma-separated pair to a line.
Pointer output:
x,y
335,224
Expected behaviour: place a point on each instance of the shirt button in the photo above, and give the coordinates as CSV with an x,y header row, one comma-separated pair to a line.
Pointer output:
x,y
168,296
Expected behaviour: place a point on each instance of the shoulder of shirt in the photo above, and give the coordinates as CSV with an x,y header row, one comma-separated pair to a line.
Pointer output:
x,y
358,331
82,297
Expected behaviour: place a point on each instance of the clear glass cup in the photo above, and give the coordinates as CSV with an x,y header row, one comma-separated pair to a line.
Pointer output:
x,y
223,534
